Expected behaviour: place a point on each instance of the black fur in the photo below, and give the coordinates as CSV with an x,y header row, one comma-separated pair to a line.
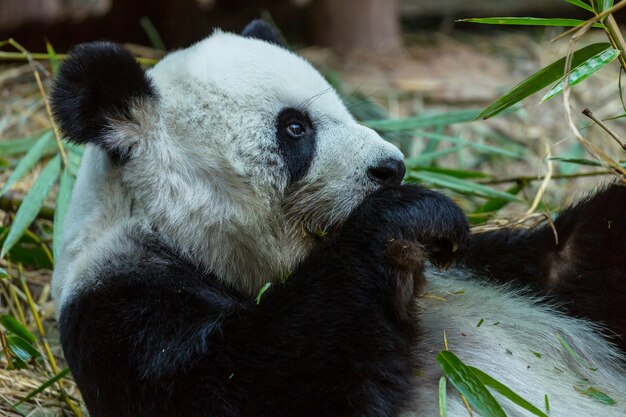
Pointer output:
x,y
297,153
260,29
98,81
585,271
157,338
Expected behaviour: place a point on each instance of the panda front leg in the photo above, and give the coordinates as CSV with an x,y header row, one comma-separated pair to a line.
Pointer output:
x,y
335,340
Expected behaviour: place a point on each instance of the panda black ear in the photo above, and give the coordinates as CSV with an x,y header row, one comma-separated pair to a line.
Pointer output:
x,y
98,81
260,29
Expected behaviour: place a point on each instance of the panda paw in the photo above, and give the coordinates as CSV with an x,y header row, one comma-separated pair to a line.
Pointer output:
x,y
410,213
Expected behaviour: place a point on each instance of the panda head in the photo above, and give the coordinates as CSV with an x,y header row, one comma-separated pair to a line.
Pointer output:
x,y
235,151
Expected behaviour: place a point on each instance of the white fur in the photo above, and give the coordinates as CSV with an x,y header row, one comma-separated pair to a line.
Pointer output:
x,y
206,174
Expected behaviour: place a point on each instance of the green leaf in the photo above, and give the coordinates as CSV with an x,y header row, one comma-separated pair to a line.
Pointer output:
x,y
506,392
23,350
63,201
527,21
466,382
54,60
602,5
541,79
583,71
485,148
546,402
581,4
43,386
481,214
597,395
3,273
34,154
426,158
14,326
28,210
457,173
27,251
422,121
461,185
264,288
442,397
17,146
574,354
582,161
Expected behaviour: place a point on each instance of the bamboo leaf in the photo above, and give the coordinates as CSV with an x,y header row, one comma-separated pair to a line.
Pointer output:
x,y
485,148
466,382
597,395
14,326
602,5
34,154
581,4
461,185
506,392
54,60
442,397
23,350
422,121
583,71
64,197
264,288
428,157
43,386
527,21
32,203
18,145
541,79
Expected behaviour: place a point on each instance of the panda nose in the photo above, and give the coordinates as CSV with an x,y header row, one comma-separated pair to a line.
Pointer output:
x,y
387,172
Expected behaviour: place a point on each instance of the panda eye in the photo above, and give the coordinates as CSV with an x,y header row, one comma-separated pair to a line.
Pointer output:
x,y
296,130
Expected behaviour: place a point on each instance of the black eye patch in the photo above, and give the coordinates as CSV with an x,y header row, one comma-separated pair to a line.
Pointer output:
x,y
296,141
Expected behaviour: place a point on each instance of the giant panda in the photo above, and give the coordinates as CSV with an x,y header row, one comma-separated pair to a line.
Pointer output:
x,y
238,245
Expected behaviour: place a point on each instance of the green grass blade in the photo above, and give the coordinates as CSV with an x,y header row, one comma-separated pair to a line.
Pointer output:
x,y
423,121
541,79
466,382
506,392
3,273
14,326
461,185
43,386
478,146
28,210
34,154
527,21
64,196
581,4
583,71
443,407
